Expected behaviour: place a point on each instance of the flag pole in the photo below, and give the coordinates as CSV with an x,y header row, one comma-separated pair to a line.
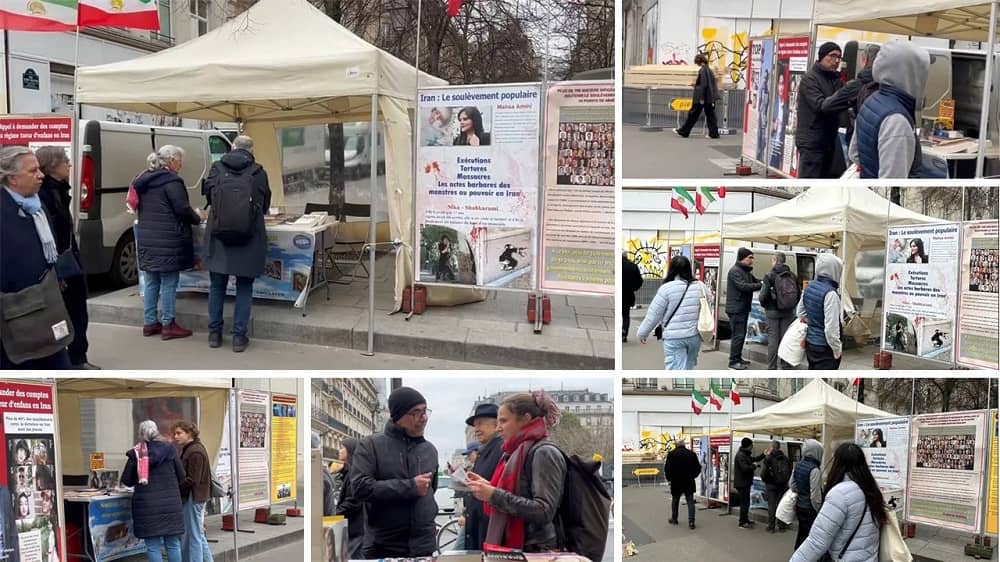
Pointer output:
x,y
6,69
75,128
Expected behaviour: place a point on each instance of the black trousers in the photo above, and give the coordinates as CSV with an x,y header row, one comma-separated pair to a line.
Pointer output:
x,y
776,328
675,502
738,323
806,519
626,319
820,358
744,504
773,497
692,120
75,298
817,164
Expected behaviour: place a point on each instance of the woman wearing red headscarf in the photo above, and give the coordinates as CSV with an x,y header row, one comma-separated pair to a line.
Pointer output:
x,y
524,494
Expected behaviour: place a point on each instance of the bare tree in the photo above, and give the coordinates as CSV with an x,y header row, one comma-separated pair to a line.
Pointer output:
x,y
576,439
934,394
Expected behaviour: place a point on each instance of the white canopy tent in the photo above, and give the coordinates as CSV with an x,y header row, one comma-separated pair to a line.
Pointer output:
x,y
969,20
818,411
282,63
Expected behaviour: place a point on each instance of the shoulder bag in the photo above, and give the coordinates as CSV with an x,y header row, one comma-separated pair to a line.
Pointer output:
x,y
891,547
33,321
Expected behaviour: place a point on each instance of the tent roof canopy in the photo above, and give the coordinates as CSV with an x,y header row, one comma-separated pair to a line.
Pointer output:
x,y
281,60
967,20
95,387
804,413
819,216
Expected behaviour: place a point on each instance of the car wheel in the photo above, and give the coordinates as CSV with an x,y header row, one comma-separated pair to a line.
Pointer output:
x,y
124,267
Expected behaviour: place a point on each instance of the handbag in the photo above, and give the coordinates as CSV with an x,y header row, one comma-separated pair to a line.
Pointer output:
x,y
658,332
786,507
217,491
792,348
891,547
132,198
33,321
67,265
706,319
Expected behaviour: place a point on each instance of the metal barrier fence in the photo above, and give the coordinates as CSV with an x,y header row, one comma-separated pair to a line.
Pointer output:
x,y
650,107
645,294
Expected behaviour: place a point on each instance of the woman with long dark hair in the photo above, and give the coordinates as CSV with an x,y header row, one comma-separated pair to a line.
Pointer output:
x,y
849,524
470,128
878,440
917,254
676,307
348,505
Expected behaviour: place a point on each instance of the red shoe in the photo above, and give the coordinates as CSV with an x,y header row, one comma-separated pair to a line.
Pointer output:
x,y
152,329
174,331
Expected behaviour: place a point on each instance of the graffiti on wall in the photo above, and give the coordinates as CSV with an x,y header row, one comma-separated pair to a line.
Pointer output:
x,y
652,256
730,59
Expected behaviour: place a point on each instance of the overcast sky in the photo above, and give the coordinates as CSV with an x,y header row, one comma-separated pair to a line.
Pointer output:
x,y
450,400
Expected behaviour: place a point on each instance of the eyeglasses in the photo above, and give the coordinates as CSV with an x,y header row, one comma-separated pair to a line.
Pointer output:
x,y
417,414
835,57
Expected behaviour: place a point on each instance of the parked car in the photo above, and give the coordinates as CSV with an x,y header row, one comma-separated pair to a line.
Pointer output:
x,y
444,495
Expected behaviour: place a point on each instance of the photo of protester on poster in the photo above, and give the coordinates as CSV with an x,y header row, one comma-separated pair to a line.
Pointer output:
x,y
253,430
917,252
586,154
455,126
984,268
947,452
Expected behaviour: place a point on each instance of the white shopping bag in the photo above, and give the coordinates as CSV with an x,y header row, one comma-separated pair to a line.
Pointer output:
x,y
792,348
891,545
786,507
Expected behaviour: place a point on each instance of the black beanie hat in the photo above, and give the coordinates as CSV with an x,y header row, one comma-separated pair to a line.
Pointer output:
x,y
827,48
742,254
746,442
402,400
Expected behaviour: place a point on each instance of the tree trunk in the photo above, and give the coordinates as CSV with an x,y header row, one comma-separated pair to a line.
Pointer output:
x,y
336,135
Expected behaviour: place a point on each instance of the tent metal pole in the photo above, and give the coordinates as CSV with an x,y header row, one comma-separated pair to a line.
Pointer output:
x,y
413,171
234,465
984,118
373,171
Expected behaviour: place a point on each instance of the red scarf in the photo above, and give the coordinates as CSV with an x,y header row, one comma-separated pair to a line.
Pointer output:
x,y
506,478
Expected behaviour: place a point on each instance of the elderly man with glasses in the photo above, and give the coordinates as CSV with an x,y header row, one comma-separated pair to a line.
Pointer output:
x,y
819,115
395,473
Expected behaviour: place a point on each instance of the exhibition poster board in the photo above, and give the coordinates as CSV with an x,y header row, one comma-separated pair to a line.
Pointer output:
x,y
29,518
284,412
719,465
921,283
947,466
578,202
111,528
791,64
750,109
886,444
252,449
707,258
477,184
755,128
977,344
991,488
36,131
223,465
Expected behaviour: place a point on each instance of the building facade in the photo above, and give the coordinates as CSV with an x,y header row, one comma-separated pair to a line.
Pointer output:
x,y
595,410
343,408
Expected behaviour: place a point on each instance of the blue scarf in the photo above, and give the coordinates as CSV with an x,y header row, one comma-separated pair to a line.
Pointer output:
x,y
32,206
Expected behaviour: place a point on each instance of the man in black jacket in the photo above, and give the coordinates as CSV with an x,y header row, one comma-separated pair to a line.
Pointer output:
x,y
743,479
740,286
776,470
631,282
680,469
395,472
852,95
816,133
484,419
779,313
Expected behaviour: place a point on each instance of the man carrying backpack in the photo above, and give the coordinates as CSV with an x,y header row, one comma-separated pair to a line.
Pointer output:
x,y
777,469
235,239
779,295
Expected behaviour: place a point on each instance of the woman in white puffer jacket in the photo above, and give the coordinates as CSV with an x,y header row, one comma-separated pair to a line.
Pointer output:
x,y
852,500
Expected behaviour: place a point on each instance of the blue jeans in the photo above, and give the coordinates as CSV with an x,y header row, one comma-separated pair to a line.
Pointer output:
x,y
217,297
675,504
682,353
194,545
160,288
154,544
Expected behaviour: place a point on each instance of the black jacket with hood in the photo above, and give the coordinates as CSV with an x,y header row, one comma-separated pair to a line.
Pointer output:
x,y
157,510
400,523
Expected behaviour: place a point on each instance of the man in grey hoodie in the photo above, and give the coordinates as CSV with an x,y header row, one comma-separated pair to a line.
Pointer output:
x,y
821,308
806,481
884,143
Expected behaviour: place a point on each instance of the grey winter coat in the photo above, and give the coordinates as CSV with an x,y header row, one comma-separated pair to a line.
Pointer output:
x,y
541,485
842,509
814,449
399,522
684,322
248,259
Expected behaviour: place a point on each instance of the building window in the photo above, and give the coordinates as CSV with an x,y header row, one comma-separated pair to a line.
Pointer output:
x,y
199,17
723,384
164,7
683,384
644,384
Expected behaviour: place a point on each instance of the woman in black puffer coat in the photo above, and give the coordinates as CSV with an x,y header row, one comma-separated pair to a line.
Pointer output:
x,y
157,511
164,241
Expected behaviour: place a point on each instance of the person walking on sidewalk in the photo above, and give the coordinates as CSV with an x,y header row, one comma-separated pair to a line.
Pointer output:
x,y
196,490
680,469
348,504
779,295
396,473
806,482
743,479
821,308
740,287
675,308
848,526
484,420
706,93
631,282
775,472
236,239
165,243
155,472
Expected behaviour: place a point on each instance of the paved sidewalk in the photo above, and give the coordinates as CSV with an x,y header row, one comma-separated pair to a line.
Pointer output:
x,y
493,332
663,154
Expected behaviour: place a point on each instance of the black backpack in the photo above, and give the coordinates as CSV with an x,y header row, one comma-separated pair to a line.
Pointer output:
x,y
786,291
234,211
778,472
583,517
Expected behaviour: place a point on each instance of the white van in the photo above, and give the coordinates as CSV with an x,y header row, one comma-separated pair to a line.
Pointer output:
x,y
111,154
